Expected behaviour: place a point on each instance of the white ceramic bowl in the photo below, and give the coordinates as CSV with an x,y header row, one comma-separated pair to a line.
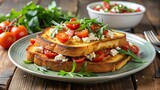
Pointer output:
x,y
122,21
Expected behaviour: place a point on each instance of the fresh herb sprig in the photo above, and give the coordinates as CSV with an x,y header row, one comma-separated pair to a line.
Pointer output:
x,y
82,73
27,61
56,28
41,69
130,53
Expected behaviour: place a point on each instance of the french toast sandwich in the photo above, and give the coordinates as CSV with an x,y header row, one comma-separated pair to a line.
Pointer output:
x,y
97,45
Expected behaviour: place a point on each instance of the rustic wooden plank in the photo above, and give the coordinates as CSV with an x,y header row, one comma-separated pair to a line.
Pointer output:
x,y
22,80
146,77
111,85
6,69
153,13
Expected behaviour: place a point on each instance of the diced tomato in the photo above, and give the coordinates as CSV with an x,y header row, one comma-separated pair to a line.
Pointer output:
x,y
73,19
32,41
1,30
49,53
94,27
99,56
82,34
106,5
79,59
62,37
105,32
138,9
126,46
134,49
106,52
96,9
73,25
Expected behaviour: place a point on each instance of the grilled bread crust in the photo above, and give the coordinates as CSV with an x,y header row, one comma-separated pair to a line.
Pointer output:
x,y
74,49
108,64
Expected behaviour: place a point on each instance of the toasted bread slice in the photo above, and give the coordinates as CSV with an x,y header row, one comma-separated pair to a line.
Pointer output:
x,y
109,63
74,48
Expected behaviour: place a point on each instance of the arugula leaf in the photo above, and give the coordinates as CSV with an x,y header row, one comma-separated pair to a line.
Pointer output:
x,y
27,61
42,69
56,28
101,30
82,73
129,52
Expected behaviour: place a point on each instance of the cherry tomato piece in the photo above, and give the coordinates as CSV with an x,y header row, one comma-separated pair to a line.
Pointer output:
x,y
19,31
32,41
73,19
4,25
1,30
82,34
134,49
105,32
95,27
62,37
138,9
99,56
79,59
7,39
49,53
73,26
126,46
106,5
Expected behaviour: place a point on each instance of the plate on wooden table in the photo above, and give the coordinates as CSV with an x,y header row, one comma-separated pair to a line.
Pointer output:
x,y
17,54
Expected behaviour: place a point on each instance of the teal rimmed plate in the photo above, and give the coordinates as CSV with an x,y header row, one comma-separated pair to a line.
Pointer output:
x,y
17,53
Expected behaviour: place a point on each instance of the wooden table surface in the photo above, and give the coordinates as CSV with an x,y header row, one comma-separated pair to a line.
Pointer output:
x,y
13,78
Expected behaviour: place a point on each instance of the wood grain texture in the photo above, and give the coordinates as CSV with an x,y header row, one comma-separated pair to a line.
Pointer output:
x,y
111,85
6,69
24,81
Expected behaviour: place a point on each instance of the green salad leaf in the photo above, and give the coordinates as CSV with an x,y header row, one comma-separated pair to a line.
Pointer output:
x,y
82,73
35,18
130,53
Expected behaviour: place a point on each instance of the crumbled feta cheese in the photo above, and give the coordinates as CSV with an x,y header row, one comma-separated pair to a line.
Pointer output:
x,y
113,10
110,33
106,10
65,60
101,10
118,48
91,56
98,6
102,36
60,57
76,38
38,49
86,39
114,52
92,37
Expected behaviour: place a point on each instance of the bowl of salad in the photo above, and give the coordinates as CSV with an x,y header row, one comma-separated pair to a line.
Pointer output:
x,y
120,15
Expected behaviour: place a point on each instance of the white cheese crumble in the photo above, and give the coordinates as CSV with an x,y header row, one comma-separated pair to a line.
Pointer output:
x,y
91,56
60,57
92,37
38,49
86,39
98,6
76,38
114,52
118,48
101,10
110,33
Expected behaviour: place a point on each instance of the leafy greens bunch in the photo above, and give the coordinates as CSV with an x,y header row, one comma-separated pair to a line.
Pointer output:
x,y
35,18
